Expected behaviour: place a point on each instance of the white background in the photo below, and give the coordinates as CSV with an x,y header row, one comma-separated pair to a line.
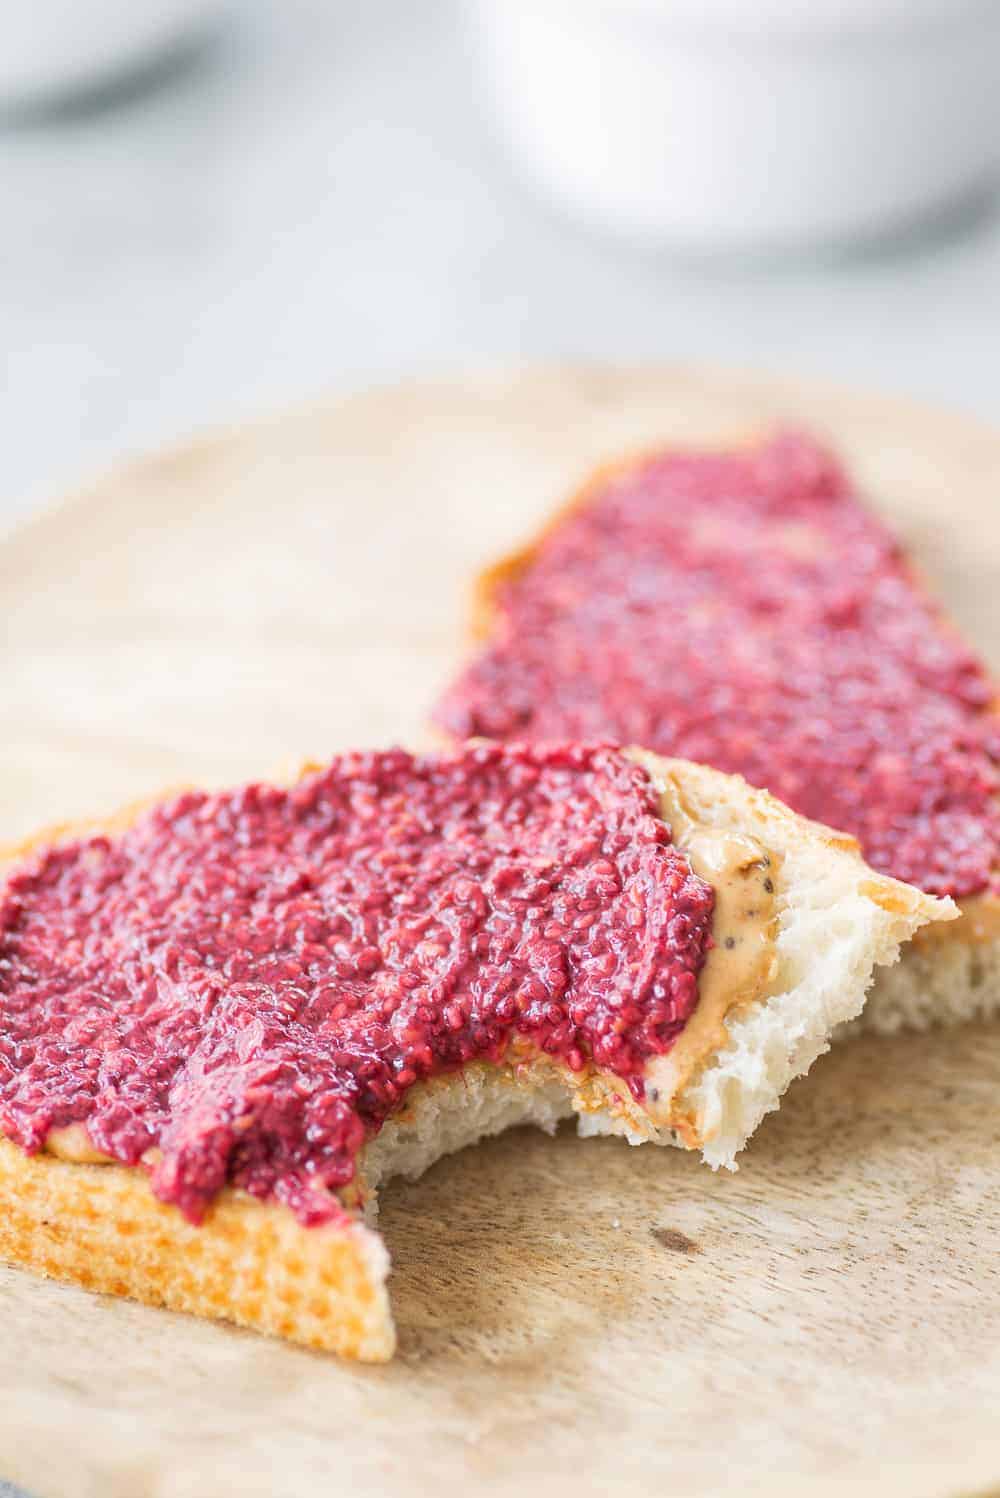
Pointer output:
x,y
318,201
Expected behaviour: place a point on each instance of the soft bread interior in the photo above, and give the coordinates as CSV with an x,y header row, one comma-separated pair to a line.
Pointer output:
x,y
946,981
448,1113
837,923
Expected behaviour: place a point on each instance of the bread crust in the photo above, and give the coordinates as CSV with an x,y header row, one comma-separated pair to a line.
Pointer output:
x,y
966,951
100,1226
252,1262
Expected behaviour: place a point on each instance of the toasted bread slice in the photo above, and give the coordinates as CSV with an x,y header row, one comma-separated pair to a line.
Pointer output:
x,y
950,973
817,923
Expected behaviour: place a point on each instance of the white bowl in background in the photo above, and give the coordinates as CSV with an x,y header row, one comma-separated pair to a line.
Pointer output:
x,y
54,48
748,124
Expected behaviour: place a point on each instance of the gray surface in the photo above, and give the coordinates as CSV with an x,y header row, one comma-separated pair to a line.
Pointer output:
x,y
318,202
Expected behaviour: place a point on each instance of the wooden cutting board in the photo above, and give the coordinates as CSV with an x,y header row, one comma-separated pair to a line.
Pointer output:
x,y
571,1312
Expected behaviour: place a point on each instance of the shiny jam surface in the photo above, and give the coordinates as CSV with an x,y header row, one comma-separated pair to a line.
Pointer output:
x,y
746,610
246,984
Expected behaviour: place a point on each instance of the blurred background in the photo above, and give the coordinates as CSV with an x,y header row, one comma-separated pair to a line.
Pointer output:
x,y
213,209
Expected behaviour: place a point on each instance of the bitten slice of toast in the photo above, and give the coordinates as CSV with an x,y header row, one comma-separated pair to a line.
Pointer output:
x,y
799,926
707,572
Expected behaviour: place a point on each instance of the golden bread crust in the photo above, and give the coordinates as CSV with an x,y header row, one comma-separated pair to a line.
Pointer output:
x,y
250,1262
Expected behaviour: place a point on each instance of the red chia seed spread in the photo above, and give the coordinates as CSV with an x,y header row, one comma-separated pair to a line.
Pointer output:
x,y
249,983
745,610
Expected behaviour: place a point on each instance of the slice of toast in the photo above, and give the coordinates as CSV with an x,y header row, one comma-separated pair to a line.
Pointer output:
x,y
673,601
798,925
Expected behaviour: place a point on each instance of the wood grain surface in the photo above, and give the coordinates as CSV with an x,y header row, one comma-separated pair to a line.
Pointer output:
x,y
573,1314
